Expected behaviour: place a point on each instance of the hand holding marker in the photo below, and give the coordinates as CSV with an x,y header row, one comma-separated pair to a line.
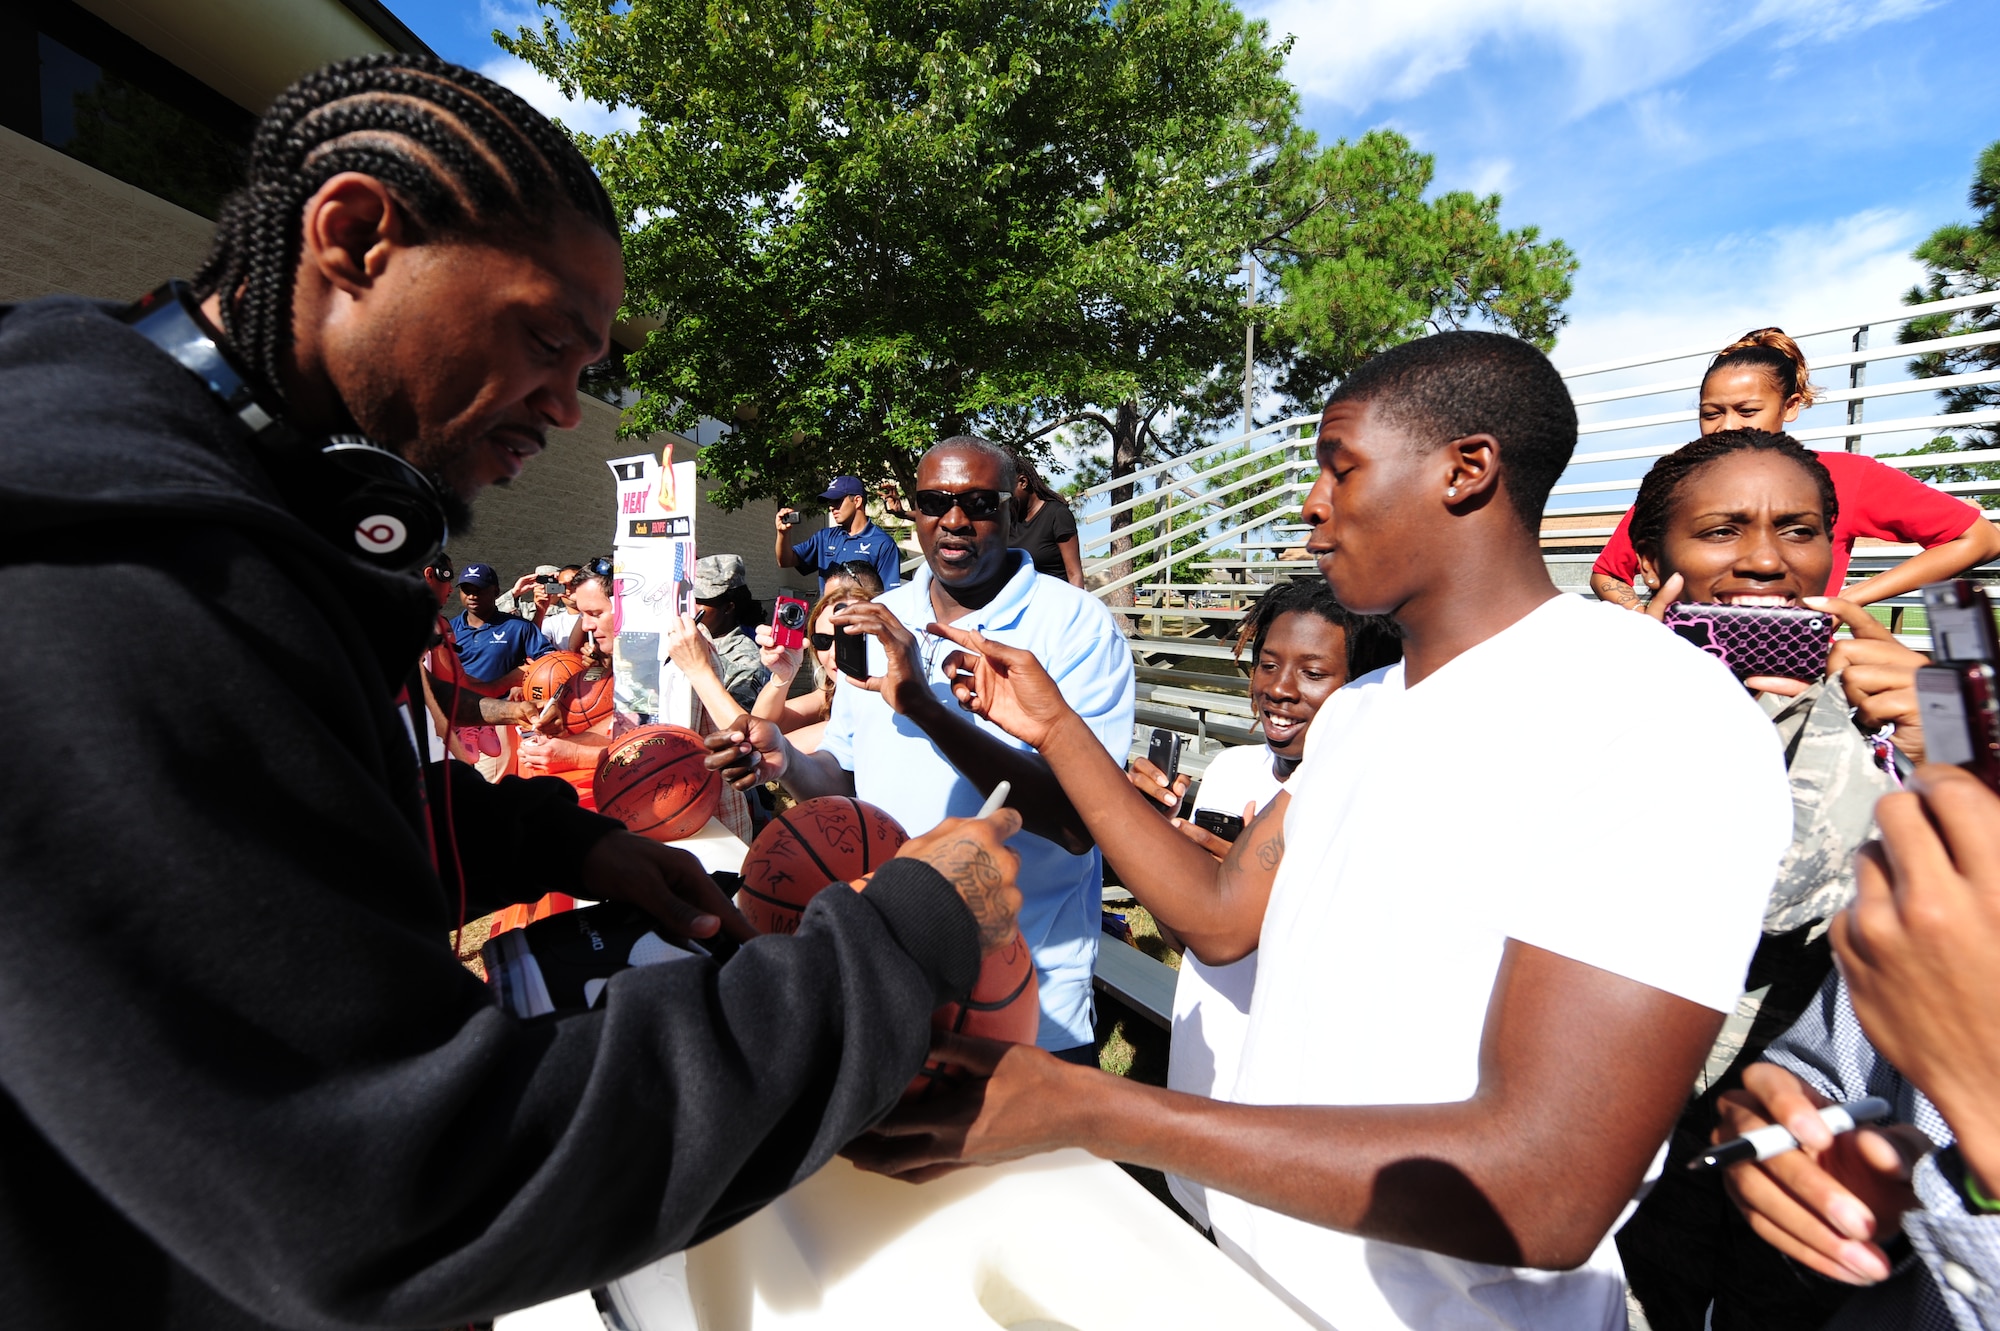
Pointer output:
x,y
1766,1142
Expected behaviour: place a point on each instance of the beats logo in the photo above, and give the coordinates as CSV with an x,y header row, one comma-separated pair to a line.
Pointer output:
x,y
381,534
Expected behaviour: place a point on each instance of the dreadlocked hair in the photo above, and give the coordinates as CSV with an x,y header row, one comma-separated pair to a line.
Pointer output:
x,y
461,154
1657,492
1372,640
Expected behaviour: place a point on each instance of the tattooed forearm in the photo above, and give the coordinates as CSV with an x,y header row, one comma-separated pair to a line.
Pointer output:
x,y
983,886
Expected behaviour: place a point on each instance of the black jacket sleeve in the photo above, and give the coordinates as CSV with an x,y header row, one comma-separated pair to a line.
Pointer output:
x,y
516,839
227,1006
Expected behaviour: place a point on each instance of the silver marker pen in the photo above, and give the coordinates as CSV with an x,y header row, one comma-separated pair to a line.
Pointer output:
x,y
995,800
1763,1143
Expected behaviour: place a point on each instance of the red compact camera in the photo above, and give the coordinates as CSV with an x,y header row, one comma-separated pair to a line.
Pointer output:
x,y
788,623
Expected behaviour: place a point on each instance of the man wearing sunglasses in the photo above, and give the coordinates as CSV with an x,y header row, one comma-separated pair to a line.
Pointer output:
x,y
848,537
900,741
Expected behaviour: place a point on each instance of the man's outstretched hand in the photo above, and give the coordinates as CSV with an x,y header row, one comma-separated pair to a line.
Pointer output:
x,y
1003,1102
972,853
667,883
1005,685
748,754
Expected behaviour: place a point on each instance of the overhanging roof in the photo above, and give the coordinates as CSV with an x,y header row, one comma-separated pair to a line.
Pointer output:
x,y
251,50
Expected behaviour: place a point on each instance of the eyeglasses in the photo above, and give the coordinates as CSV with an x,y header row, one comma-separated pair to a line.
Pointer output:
x,y
599,567
822,642
855,568
975,504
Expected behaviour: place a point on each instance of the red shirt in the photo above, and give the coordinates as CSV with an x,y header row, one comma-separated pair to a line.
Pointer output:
x,y
1875,501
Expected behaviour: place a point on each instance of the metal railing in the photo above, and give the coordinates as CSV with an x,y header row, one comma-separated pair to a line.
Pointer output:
x,y
1200,534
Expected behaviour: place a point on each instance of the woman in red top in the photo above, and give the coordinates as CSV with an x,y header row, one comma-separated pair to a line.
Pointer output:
x,y
1759,382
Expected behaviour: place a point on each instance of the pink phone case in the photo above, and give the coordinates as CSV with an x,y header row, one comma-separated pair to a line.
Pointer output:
x,y
1758,639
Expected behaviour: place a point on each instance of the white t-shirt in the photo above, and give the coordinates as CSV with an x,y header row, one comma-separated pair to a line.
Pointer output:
x,y
1431,824
556,625
1212,1003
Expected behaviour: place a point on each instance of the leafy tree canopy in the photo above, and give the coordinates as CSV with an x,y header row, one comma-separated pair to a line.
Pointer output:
x,y
1963,260
1364,261
864,224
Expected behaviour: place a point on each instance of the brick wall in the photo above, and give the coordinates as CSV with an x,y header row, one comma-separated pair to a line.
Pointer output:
x,y
67,227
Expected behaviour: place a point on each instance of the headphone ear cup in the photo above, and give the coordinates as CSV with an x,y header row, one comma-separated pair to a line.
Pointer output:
x,y
391,515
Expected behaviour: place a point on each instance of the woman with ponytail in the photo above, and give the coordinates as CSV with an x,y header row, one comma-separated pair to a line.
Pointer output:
x,y
1761,382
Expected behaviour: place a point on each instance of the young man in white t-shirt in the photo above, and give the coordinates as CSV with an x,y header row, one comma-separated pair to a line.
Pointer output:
x,y
1476,1014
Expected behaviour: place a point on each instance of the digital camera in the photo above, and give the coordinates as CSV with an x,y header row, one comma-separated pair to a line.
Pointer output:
x,y
788,623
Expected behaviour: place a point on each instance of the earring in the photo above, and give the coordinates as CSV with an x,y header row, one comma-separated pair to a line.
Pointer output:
x,y
1451,491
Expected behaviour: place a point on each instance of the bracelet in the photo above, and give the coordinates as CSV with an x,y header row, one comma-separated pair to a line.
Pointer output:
x,y
1974,1198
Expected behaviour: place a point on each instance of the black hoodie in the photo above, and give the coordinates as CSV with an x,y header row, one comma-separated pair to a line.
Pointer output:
x,y
243,1082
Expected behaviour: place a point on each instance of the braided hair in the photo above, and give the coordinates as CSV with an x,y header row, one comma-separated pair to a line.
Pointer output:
x,y
1372,640
461,154
1662,485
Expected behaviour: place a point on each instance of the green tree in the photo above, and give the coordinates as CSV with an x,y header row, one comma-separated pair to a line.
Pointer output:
x,y
1964,260
1364,261
865,224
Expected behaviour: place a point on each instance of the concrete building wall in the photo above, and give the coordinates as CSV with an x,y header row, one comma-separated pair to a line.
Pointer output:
x,y
560,511
67,227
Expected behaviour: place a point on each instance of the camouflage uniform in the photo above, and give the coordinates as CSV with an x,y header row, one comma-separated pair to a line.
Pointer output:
x,y
1835,783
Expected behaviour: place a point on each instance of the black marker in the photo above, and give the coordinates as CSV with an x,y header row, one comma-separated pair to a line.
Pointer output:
x,y
1764,1143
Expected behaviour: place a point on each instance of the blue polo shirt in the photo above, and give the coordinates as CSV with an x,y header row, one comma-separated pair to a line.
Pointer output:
x,y
897,767
829,546
490,652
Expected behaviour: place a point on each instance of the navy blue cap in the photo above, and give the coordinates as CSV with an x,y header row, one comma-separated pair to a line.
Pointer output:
x,y
844,486
478,575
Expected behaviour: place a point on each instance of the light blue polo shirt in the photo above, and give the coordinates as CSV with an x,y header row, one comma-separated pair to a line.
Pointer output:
x,y
898,768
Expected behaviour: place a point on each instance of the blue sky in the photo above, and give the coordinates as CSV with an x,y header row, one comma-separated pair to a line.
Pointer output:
x,y
1715,165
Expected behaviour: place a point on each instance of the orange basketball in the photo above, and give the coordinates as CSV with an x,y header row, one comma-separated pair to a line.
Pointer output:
x,y
1004,1004
833,839
547,675
653,781
587,699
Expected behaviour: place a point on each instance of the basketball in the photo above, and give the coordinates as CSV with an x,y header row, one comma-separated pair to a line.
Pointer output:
x,y
547,675
652,780
833,839
587,699
1004,1005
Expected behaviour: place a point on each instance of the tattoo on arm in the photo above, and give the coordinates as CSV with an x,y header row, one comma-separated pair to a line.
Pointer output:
x,y
1263,844
984,888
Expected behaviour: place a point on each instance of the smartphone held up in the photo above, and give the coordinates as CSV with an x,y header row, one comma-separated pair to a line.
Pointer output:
x,y
1959,696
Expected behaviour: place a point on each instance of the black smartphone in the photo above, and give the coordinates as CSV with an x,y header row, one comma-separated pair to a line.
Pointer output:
x,y
1164,752
1959,702
1228,826
850,652
1961,620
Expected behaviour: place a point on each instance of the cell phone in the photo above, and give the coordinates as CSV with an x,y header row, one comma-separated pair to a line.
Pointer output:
x,y
850,652
1163,751
788,622
1788,641
1228,826
1961,618
1959,702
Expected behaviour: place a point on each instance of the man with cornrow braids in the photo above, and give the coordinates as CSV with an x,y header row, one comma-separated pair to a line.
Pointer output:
x,y
244,1081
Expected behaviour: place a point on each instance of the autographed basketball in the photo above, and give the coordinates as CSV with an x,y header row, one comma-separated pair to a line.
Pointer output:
x,y
653,781
547,675
586,698
833,839
1004,1005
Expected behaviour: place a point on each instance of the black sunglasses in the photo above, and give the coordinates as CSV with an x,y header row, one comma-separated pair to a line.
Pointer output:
x,y
599,567
822,642
975,504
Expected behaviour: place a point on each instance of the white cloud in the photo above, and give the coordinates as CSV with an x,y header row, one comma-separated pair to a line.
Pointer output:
x,y
542,94
1358,53
1811,276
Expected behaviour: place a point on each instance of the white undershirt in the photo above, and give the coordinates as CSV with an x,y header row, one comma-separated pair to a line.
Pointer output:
x,y
1430,825
1212,1003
